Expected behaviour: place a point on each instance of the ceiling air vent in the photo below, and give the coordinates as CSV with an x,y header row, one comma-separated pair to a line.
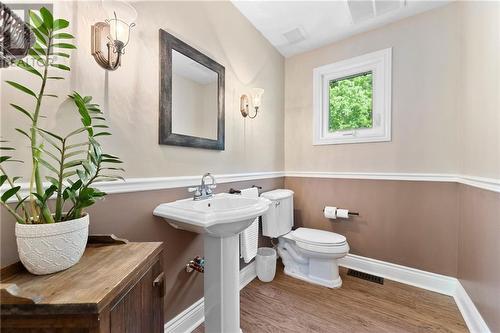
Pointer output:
x,y
362,10
295,36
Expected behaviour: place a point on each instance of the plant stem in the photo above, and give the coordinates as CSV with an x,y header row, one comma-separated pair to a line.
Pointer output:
x,y
37,178
59,203
13,212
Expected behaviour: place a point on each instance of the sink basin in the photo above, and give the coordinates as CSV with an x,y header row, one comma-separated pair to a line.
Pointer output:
x,y
222,215
220,219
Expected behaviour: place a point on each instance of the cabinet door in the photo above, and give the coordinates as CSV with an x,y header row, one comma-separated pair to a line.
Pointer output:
x,y
141,309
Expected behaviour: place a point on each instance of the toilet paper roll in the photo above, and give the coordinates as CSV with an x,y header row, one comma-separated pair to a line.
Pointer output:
x,y
330,212
343,213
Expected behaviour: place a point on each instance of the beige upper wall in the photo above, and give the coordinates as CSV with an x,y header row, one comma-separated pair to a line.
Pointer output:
x,y
130,94
425,76
480,106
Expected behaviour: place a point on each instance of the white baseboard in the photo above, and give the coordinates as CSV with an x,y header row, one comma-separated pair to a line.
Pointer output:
x,y
193,316
472,317
187,320
411,276
426,280
247,274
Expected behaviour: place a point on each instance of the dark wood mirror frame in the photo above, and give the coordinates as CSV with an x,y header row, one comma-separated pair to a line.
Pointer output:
x,y
168,43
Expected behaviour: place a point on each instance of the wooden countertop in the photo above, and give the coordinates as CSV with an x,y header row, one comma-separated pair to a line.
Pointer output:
x,y
102,274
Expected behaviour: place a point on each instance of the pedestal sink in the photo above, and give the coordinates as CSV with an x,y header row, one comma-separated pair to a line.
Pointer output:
x,y
220,219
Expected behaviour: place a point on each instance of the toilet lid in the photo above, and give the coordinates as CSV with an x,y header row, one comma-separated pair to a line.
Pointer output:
x,y
321,237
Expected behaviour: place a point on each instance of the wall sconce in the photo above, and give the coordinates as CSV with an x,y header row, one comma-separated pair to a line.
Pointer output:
x,y
256,102
109,38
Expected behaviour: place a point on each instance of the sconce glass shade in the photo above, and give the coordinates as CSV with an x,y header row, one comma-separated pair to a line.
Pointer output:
x,y
257,97
121,18
109,38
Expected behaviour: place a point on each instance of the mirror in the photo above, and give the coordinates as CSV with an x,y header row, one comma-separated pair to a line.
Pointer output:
x,y
191,96
194,98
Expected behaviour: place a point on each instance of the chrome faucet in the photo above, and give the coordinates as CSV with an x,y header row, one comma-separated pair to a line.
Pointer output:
x,y
204,191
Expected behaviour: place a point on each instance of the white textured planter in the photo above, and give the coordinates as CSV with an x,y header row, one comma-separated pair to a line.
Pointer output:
x,y
53,247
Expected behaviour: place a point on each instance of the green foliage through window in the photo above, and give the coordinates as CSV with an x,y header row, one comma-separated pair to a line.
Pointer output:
x,y
351,103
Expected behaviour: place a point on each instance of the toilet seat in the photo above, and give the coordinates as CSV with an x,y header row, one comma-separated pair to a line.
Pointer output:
x,y
318,237
318,241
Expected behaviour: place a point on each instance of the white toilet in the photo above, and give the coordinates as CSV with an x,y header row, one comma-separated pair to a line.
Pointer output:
x,y
308,254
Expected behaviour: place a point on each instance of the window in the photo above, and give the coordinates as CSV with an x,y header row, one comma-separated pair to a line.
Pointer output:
x,y
352,100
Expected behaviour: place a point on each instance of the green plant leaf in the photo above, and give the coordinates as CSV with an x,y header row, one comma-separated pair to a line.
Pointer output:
x,y
78,131
36,56
50,95
49,140
110,168
7,148
38,23
69,174
76,145
72,164
3,178
110,156
47,165
50,191
27,67
55,78
102,133
82,175
23,133
109,160
39,36
39,49
57,159
21,88
61,66
4,158
47,17
51,134
60,24
52,180
74,153
108,178
63,35
22,110
9,193
21,202
64,46
61,54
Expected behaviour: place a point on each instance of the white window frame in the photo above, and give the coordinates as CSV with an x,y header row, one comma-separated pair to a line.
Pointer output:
x,y
380,64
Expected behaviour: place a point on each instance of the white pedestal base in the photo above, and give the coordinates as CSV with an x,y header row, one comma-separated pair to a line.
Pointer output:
x,y
221,283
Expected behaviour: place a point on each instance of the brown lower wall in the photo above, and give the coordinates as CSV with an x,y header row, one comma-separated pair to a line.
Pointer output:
x,y
444,228
409,223
479,251
130,215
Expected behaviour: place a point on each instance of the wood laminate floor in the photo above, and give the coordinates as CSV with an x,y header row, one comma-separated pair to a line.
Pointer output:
x,y
290,305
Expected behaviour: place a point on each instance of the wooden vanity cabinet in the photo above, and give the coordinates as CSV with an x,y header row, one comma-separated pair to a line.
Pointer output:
x,y
113,289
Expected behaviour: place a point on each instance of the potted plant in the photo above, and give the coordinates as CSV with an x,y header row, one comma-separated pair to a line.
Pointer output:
x,y
51,236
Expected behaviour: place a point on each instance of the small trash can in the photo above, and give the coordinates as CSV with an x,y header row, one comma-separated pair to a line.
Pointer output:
x,y
266,263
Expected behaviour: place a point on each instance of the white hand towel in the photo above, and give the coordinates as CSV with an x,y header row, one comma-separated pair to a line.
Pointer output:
x,y
249,238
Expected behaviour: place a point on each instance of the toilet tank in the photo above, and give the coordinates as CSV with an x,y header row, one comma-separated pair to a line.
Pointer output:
x,y
278,220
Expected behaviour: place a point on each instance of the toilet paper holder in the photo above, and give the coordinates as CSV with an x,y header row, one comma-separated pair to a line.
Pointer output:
x,y
349,213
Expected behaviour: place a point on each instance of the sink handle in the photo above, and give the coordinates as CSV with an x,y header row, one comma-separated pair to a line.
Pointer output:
x,y
194,189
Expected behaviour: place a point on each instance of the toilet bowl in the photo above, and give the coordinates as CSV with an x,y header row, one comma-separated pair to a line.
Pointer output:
x,y
308,254
311,255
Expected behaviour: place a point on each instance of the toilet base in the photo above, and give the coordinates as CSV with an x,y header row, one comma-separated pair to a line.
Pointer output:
x,y
337,283
313,267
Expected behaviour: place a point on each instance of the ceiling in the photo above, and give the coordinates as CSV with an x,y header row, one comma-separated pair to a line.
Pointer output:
x,y
298,26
